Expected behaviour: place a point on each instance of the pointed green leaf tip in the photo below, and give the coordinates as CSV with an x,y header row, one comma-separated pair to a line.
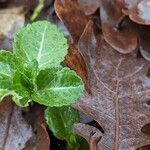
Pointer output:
x,y
41,41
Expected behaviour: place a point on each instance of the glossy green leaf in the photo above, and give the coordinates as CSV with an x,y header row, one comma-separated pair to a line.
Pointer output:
x,y
41,41
58,87
60,121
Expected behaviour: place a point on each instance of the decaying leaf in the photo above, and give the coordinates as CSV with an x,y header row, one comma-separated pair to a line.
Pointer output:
x,y
72,16
121,37
120,96
138,10
14,131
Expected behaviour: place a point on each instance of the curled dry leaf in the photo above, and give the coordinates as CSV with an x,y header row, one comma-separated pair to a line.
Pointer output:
x,y
89,6
120,36
14,131
72,16
138,10
120,96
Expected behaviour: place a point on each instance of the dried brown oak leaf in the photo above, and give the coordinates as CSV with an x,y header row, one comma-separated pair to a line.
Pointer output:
x,y
120,96
138,10
121,37
14,130
72,16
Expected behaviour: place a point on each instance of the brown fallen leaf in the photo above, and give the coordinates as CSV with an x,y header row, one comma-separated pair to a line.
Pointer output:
x,y
43,141
89,6
120,96
140,13
138,10
72,16
85,131
35,117
75,61
118,34
14,130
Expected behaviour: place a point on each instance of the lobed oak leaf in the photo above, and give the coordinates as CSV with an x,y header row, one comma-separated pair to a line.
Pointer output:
x,y
120,96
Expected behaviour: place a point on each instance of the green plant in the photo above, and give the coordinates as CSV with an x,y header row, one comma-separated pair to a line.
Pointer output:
x,y
32,72
37,10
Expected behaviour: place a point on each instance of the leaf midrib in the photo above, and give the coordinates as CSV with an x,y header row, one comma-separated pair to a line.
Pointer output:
x,y
41,45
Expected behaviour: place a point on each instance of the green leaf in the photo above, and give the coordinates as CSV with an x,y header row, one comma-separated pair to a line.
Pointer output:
x,y
6,72
60,121
24,79
58,87
41,41
5,76
20,101
7,57
4,93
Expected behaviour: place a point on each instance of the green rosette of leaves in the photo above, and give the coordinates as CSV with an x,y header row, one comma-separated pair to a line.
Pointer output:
x,y
33,72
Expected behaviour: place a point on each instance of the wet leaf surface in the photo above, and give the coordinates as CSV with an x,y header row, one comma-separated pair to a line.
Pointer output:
x,y
120,91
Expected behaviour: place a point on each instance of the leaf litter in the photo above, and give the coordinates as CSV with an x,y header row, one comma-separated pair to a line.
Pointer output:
x,y
114,65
